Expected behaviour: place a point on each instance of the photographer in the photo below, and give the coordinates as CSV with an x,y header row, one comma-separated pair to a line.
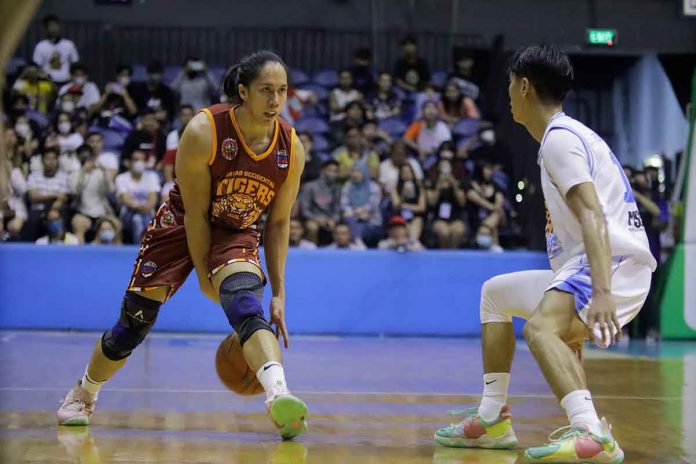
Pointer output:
x,y
446,202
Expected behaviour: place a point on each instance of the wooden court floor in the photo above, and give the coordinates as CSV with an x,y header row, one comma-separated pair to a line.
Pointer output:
x,y
372,400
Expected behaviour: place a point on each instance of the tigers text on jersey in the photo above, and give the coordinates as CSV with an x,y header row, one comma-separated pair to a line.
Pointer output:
x,y
243,183
571,154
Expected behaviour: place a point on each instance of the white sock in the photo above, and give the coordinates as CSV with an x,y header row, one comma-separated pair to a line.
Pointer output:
x,y
272,378
495,390
580,410
91,386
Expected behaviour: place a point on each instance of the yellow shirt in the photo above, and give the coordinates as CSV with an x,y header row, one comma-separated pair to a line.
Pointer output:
x,y
40,94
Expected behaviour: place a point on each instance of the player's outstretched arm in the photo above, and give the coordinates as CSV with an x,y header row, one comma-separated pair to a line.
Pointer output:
x,y
584,203
193,177
276,237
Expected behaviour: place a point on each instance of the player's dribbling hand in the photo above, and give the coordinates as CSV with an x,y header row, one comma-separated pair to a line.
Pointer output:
x,y
602,313
278,318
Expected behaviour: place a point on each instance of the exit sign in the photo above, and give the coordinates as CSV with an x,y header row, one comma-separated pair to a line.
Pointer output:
x,y
604,37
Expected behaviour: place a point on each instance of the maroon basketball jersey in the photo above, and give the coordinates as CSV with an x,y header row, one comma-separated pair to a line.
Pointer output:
x,y
243,183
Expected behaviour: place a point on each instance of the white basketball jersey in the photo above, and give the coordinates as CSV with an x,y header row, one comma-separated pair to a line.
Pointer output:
x,y
571,154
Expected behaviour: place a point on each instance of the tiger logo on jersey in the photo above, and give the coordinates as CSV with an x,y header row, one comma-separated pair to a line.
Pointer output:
x,y
239,207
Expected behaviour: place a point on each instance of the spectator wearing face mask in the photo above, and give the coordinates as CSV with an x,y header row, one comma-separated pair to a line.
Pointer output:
x,y
194,84
427,134
55,54
320,204
67,102
296,237
149,138
26,131
79,79
37,88
108,232
399,238
360,205
16,215
153,95
136,192
68,139
57,235
91,187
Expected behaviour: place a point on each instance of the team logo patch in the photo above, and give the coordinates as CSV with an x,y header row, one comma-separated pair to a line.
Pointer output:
x,y
168,219
148,268
283,159
229,148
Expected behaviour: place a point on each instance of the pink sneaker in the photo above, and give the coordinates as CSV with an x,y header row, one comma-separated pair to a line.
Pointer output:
x,y
77,407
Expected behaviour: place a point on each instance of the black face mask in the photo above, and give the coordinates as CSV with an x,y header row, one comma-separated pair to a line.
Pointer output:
x,y
192,74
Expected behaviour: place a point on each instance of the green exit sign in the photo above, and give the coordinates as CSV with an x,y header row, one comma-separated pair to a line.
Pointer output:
x,y
605,37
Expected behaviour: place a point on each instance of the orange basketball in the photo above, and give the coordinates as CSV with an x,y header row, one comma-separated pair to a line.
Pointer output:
x,y
233,369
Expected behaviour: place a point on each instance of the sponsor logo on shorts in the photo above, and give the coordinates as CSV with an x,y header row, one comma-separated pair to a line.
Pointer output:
x,y
148,269
229,148
283,159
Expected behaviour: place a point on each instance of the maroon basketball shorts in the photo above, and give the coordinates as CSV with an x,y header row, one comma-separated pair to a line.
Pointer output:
x,y
164,261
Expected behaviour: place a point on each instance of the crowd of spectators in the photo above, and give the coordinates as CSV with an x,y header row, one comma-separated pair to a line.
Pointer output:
x,y
399,159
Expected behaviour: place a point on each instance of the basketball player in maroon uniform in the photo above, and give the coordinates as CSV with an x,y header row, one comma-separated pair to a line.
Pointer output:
x,y
234,162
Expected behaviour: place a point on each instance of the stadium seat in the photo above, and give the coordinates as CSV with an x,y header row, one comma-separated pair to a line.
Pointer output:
x,y
170,73
139,72
327,78
320,143
298,77
439,78
465,128
395,127
312,124
39,118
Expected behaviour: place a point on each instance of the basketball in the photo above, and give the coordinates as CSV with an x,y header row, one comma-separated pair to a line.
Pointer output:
x,y
233,370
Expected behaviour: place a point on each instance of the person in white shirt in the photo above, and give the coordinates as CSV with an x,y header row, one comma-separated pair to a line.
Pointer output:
x,y
55,54
137,191
91,186
600,274
79,79
389,168
427,134
342,95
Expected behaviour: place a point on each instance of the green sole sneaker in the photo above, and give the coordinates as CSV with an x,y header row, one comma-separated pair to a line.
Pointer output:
x,y
288,413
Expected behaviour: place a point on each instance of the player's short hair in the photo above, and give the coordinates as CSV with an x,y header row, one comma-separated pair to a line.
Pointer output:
x,y
50,18
247,70
548,69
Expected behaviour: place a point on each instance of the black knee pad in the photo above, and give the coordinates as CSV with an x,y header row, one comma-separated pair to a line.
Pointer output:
x,y
138,315
240,296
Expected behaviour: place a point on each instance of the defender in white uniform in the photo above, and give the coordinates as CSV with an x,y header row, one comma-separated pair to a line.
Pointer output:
x,y
599,279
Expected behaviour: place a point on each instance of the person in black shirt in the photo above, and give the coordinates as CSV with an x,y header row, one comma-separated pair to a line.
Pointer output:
x,y
153,95
411,71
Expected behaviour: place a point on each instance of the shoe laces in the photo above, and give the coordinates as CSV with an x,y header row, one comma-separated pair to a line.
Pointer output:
x,y
73,402
467,413
568,431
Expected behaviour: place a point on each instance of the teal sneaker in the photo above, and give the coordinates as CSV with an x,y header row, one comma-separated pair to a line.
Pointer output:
x,y
474,432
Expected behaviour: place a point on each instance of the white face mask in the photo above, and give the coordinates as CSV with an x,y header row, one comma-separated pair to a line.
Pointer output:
x,y
80,80
139,166
64,127
124,80
488,136
68,106
23,129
